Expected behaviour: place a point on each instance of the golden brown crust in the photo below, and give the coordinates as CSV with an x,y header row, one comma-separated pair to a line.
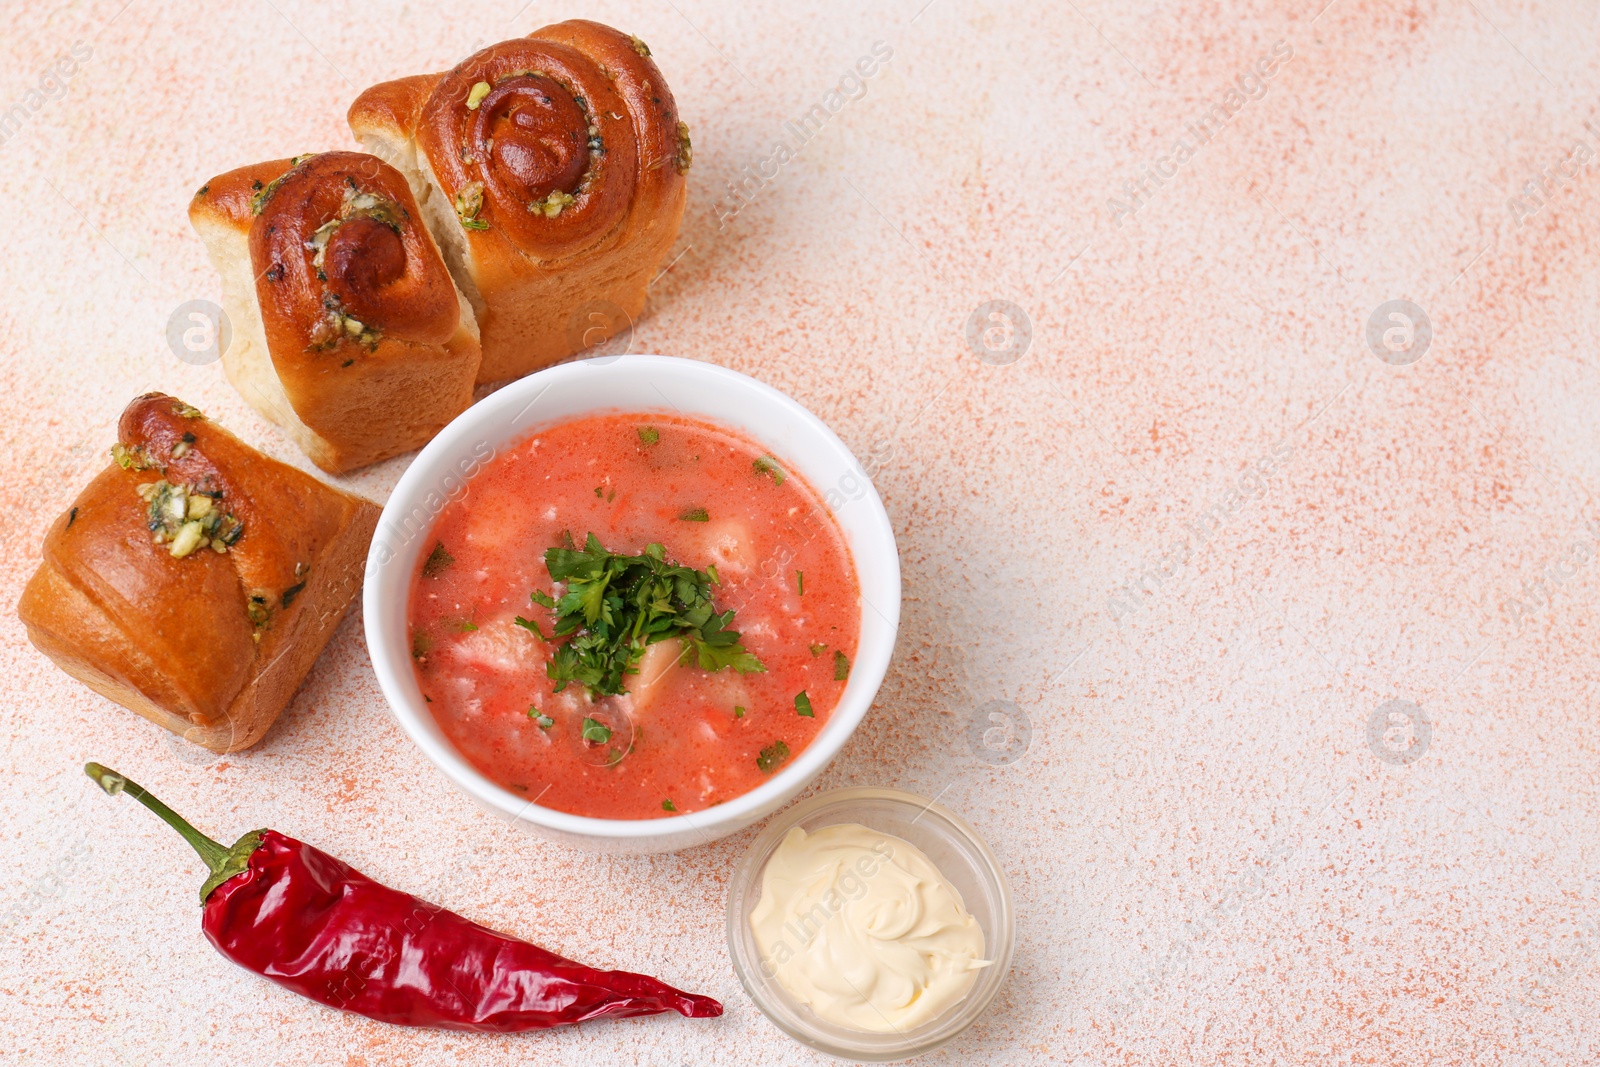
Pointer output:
x,y
226,198
212,643
575,143
395,105
371,348
378,266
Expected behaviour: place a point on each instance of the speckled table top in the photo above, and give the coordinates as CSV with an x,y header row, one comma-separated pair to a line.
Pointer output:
x,y
1228,372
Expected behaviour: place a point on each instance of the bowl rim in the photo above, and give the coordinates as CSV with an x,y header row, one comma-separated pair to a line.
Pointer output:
x,y
393,668
744,883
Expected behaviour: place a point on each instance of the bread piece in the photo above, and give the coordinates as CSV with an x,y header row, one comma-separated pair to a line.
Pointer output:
x,y
551,171
195,580
347,330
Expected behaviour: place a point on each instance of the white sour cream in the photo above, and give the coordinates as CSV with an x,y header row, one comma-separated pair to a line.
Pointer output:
x,y
863,929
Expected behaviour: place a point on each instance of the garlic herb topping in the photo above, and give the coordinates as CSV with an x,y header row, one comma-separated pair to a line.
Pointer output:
x,y
130,459
552,205
685,154
263,193
469,202
185,520
338,326
357,205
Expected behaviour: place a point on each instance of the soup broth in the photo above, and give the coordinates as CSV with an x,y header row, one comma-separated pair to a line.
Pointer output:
x,y
680,737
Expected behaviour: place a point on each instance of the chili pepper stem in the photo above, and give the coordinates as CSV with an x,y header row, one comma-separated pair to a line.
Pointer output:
x,y
223,862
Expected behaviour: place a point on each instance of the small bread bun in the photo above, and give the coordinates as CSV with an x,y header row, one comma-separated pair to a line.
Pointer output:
x,y
551,169
347,329
195,580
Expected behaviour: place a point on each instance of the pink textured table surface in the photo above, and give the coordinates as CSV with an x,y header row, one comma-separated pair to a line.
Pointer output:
x,y
1178,512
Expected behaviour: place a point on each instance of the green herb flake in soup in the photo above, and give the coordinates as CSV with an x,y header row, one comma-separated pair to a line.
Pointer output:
x,y
772,756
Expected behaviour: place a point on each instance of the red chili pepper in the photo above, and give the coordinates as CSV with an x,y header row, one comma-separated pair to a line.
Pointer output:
x,y
316,925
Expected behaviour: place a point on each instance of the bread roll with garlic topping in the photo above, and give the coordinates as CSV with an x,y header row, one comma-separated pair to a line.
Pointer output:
x,y
347,329
195,580
551,170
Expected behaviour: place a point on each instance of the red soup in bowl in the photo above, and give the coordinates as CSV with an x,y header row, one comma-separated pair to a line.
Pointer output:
x,y
631,616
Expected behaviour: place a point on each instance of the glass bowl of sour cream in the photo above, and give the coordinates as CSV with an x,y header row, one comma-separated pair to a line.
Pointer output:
x,y
870,924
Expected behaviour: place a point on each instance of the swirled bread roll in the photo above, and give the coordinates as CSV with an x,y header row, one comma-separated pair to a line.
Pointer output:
x,y
551,170
347,329
195,580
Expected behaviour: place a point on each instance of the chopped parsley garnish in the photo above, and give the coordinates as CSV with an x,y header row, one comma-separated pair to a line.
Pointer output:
x,y
528,624
596,733
771,756
437,561
667,805
802,705
841,666
466,626
615,606
738,711
817,650
768,465
540,719
421,643
648,435
695,515
800,582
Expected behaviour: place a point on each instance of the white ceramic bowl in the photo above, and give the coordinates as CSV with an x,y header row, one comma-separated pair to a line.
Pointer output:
x,y
793,435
